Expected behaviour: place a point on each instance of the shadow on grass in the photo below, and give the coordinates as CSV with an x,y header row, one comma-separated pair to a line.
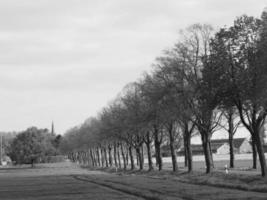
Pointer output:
x,y
236,179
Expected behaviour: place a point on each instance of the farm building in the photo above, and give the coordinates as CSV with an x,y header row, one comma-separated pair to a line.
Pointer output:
x,y
221,146
241,145
166,151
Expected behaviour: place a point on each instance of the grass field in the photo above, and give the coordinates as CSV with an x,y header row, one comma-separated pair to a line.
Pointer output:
x,y
66,180
243,162
53,182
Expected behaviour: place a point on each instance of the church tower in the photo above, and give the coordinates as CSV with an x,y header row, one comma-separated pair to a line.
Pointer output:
x,y
52,128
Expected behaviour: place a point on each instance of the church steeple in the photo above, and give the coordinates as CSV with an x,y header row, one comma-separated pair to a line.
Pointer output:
x,y
52,128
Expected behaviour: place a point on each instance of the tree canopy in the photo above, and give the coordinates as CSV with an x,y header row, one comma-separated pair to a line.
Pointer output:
x,y
31,146
206,77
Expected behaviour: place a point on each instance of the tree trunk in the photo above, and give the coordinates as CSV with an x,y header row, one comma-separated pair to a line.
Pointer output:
x,y
79,157
187,139
189,155
127,155
131,158
84,157
72,156
172,148
102,157
106,156
88,158
98,157
211,154
231,137
142,154
85,160
187,144
119,157
139,156
231,149
254,152
258,144
185,152
157,143
115,155
123,157
110,155
206,150
92,157
254,128
149,156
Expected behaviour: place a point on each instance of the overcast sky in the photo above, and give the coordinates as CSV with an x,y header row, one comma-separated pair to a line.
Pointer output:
x,y
64,60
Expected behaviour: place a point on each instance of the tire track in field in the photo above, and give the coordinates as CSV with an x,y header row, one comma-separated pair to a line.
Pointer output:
x,y
124,189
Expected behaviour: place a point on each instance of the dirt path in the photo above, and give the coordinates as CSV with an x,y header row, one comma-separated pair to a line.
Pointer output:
x,y
68,181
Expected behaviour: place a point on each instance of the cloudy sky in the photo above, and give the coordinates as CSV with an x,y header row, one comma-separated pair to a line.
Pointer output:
x,y
64,60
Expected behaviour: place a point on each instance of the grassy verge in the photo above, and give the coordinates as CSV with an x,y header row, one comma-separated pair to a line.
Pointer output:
x,y
237,180
233,181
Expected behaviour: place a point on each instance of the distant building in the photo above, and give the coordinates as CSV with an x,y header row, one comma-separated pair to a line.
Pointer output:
x,y
223,149
166,150
241,145
221,146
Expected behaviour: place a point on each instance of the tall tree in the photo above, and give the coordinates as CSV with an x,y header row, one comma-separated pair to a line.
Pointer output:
x,y
201,78
31,146
242,48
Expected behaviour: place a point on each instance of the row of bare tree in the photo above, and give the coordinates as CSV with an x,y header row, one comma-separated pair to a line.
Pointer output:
x,y
205,81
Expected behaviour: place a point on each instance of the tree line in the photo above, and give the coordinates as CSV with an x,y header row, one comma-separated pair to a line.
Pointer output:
x,y
207,80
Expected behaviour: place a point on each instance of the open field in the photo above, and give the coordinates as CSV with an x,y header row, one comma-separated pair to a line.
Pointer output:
x,y
69,181
53,181
243,162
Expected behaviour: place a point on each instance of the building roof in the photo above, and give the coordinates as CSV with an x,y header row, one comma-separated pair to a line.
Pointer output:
x,y
217,143
237,142
198,147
